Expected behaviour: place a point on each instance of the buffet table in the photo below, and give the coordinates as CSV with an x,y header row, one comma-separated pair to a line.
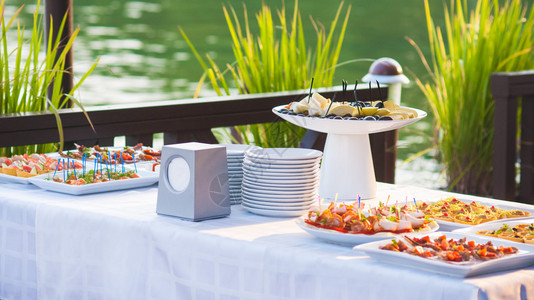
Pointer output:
x,y
114,246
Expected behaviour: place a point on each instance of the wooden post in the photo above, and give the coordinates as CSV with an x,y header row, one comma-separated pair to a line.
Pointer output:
x,y
504,139
55,11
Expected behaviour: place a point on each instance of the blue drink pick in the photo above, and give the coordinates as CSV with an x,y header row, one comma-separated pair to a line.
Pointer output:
x,y
74,168
134,163
122,161
107,167
57,165
84,161
68,165
94,169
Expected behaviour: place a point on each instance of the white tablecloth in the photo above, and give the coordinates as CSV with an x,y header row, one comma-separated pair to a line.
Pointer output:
x,y
114,246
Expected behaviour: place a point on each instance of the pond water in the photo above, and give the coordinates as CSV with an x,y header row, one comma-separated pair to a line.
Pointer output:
x,y
144,58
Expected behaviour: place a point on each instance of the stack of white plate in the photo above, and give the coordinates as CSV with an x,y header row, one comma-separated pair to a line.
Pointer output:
x,y
280,182
235,154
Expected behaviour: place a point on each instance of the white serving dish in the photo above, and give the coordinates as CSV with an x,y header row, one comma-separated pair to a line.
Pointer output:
x,y
283,154
494,226
146,178
287,187
524,257
278,170
450,226
352,239
14,179
347,151
279,199
275,213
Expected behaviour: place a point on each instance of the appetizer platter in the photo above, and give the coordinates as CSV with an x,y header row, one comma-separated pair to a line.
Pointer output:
x,y
349,225
454,254
19,168
520,231
93,177
452,213
95,182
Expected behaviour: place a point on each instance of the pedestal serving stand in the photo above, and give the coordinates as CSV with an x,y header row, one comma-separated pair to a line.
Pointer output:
x,y
347,166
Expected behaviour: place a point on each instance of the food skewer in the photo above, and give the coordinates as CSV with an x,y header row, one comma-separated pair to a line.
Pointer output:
x,y
310,93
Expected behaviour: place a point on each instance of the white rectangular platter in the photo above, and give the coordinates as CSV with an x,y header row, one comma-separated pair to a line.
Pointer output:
x,y
450,226
146,178
494,225
524,257
13,179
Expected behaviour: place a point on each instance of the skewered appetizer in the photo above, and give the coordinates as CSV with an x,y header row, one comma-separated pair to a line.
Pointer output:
x,y
347,218
139,152
521,233
473,213
460,251
29,165
94,177
316,105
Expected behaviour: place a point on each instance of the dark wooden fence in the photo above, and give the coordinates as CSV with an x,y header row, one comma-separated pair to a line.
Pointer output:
x,y
180,121
508,88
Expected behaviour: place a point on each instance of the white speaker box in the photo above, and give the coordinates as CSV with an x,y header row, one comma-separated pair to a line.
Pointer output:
x,y
193,182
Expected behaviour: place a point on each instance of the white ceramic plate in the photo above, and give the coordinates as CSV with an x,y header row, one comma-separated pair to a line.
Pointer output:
x,y
308,195
273,187
265,175
275,213
352,239
296,179
280,181
274,206
283,154
13,179
346,126
146,178
524,257
278,199
280,167
274,162
290,170
234,161
237,149
305,191
450,226
494,226
284,204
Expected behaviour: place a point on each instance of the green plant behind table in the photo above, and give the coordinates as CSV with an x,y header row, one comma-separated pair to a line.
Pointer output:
x,y
277,58
28,70
493,37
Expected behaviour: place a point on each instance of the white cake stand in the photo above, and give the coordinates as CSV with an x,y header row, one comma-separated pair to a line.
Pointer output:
x,y
347,166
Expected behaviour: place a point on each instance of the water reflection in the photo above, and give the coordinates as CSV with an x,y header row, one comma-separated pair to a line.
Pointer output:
x,y
138,42
143,57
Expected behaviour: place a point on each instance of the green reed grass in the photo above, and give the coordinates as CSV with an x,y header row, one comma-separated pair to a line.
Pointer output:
x,y
277,58
29,69
493,37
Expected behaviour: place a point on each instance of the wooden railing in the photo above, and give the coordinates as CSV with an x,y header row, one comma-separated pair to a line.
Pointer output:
x,y
507,88
180,121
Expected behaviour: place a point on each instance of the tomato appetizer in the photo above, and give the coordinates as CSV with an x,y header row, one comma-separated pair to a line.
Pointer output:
x,y
449,250
350,219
